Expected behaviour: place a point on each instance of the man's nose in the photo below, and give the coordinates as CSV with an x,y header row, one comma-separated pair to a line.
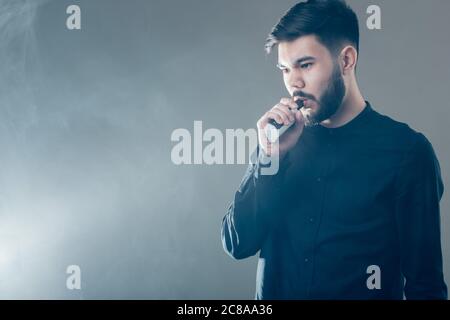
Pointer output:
x,y
295,80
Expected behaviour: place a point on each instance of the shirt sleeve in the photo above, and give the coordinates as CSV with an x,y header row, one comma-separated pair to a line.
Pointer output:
x,y
419,191
253,210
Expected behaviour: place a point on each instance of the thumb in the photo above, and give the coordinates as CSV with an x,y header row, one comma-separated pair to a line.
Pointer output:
x,y
299,119
297,127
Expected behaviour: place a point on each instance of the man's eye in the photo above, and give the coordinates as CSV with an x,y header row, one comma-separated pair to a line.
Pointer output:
x,y
284,70
306,65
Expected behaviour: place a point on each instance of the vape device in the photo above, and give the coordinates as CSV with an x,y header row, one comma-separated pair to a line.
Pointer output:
x,y
281,127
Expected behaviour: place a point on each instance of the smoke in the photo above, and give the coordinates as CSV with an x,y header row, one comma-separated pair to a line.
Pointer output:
x,y
18,57
86,178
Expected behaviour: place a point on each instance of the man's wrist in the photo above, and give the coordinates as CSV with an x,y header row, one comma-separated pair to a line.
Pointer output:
x,y
270,165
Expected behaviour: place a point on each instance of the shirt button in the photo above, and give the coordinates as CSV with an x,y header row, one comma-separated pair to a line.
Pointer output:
x,y
311,219
319,179
306,259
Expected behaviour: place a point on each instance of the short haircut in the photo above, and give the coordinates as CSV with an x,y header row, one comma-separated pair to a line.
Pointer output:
x,y
333,22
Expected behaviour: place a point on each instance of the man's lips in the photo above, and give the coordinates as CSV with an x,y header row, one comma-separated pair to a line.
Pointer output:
x,y
307,103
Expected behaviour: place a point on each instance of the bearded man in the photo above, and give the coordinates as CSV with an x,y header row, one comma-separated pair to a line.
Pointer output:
x,y
353,211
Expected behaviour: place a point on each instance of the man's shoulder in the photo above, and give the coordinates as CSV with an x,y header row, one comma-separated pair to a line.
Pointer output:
x,y
398,132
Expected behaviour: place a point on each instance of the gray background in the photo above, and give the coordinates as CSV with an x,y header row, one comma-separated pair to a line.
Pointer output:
x,y
86,118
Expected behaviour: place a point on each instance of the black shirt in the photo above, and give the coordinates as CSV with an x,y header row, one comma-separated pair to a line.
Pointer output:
x,y
344,202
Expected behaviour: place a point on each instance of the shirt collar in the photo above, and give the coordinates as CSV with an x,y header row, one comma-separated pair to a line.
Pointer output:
x,y
352,124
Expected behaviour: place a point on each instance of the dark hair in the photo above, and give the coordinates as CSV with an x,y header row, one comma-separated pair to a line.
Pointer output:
x,y
333,22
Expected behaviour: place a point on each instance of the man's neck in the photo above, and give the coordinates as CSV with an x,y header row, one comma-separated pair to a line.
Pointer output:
x,y
351,106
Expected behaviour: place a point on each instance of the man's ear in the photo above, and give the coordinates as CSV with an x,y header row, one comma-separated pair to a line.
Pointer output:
x,y
348,59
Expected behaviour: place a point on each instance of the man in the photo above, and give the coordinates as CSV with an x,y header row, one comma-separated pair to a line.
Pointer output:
x,y
353,212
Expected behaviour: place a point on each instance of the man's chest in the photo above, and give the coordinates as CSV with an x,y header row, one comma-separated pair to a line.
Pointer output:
x,y
350,181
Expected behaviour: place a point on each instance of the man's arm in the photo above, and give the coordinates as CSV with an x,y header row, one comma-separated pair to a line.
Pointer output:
x,y
255,208
419,191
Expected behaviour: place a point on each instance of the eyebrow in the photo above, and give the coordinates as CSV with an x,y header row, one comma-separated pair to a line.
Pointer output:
x,y
297,62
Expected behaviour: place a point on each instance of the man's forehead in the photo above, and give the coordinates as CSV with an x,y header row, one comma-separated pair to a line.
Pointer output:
x,y
289,52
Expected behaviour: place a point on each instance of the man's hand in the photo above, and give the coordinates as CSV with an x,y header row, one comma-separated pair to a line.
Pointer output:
x,y
285,112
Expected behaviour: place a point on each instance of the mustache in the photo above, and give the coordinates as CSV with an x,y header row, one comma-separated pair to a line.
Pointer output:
x,y
305,95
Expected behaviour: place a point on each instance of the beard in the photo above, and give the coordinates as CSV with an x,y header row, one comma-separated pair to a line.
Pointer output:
x,y
329,102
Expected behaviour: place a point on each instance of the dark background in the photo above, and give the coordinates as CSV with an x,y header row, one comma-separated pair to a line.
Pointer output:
x,y
86,118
